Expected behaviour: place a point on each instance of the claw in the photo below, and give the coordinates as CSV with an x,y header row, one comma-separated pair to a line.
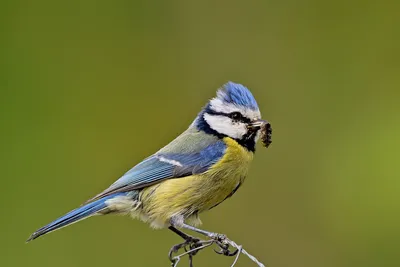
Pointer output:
x,y
218,252
224,250
175,249
190,244
193,246
230,254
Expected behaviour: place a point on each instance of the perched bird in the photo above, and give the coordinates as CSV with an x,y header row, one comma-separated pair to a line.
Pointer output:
x,y
198,170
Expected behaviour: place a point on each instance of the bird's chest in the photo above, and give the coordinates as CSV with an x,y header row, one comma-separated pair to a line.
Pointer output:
x,y
197,193
225,177
233,166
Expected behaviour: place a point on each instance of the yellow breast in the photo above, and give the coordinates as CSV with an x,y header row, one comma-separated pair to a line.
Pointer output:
x,y
191,195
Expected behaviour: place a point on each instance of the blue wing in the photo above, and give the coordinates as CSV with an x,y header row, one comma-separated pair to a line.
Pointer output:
x,y
161,166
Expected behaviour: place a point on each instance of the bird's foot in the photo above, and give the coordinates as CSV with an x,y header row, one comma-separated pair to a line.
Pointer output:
x,y
190,246
193,245
222,243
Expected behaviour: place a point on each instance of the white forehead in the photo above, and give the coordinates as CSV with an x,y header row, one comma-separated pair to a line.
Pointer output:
x,y
219,105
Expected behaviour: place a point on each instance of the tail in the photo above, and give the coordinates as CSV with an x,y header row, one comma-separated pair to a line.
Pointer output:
x,y
74,216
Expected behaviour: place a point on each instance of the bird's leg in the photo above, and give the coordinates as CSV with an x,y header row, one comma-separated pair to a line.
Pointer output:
x,y
219,239
182,234
190,241
200,231
175,249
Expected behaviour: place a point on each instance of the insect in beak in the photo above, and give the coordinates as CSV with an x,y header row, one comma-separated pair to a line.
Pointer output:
x,y
266,134
257,124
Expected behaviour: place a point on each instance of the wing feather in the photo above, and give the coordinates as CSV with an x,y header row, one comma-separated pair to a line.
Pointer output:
x,y
166,165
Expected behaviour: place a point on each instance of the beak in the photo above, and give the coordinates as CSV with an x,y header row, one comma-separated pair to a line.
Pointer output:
x,y
257,124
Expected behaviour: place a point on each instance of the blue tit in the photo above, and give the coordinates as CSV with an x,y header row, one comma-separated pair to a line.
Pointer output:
x,y
196,172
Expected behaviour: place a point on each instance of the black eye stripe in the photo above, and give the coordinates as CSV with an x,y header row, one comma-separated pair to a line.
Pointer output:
x,y
247,141
236,116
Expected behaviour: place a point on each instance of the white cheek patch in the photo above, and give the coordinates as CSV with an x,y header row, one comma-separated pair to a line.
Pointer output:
x,y
226,126
218,105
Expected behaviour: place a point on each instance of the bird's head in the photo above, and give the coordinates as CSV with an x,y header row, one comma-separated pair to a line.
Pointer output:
x,y
232,113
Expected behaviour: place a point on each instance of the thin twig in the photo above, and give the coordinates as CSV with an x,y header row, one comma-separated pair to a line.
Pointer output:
x,y
220,241
206,244
190,252
237,256
242,250
177,259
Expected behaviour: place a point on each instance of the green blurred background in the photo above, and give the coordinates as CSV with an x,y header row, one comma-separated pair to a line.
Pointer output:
x,y
89,88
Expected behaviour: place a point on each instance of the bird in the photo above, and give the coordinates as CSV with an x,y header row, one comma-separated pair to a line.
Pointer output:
x,y
197,171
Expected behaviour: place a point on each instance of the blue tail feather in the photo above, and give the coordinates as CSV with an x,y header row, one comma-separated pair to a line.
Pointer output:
x,y
76,215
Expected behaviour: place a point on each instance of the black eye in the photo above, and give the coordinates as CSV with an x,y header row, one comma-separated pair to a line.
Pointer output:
x,y
236,116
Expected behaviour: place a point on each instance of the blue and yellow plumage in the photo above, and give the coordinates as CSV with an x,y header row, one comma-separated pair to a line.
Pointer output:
x,y
198,170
